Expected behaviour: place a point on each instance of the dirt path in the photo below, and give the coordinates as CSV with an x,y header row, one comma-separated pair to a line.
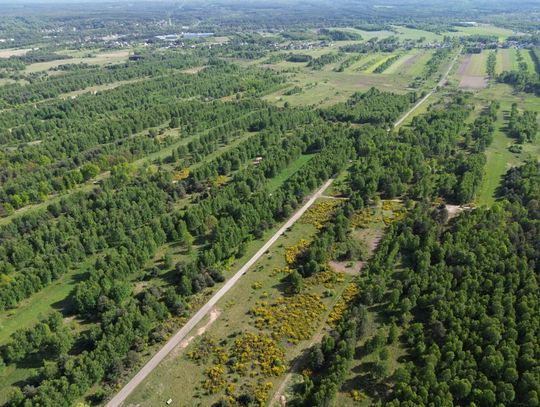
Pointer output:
x,y
177,339
214,314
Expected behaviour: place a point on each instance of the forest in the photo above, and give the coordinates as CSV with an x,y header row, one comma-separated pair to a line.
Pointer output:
x,y
340,201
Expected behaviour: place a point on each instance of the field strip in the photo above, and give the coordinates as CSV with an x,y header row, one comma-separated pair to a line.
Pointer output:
x,y
421,101
206,308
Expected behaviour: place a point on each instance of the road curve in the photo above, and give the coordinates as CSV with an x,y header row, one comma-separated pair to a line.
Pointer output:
x,y
123,394
421,101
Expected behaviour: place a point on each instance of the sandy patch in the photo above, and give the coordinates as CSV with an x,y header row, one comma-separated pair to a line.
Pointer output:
x,y
6,53
214,314
473,82
347,267
194,70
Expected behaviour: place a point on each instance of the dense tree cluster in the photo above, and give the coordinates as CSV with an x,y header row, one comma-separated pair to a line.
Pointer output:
x,y
325,59
523,127
105,129
465,296
374,106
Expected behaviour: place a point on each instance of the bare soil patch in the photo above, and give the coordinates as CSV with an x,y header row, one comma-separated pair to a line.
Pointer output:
x,y
347,267
473,82
6,53
212,316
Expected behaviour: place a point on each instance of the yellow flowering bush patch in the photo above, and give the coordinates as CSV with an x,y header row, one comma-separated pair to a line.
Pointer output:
x,y
252,351
292,253
320,213
290,318
339,309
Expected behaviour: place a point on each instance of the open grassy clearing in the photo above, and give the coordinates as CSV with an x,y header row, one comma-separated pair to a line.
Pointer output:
x,y
419,62
98,88
499,158
484,29
103,58
288,171
324,88
506,60
13,52
414,34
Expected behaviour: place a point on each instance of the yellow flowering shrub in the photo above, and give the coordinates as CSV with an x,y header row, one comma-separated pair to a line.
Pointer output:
x,y
339,309
215,379
292,253
320,213
258,352
290,318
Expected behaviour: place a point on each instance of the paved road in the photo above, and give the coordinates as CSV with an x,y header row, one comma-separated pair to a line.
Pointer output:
x,y
421,101
181,334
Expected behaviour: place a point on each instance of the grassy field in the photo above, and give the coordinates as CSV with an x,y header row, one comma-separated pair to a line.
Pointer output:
x,y
506,60
403,65
13,52
499,158
284,175
324,88
501,33
103,58
98,88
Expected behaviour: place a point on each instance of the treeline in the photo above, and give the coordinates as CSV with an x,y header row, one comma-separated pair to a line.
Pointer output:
x,y
435,62
523,127
374,106
387,44
325,59
386,64
348,62
491,64
50,87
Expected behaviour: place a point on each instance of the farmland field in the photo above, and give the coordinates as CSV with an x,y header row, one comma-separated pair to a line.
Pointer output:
x,y
472,71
